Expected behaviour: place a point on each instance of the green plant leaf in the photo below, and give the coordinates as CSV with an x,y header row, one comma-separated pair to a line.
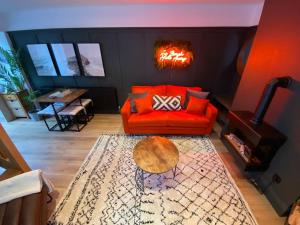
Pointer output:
x,y
13,76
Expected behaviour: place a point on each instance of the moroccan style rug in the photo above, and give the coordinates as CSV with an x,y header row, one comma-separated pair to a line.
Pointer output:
x,y
104,190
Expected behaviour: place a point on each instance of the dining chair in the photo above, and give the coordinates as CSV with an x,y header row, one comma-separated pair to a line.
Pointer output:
x,y
48,112
73,114
88,104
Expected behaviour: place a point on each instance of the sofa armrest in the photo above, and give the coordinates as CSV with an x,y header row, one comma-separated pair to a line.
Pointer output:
x,y
211,114
125,113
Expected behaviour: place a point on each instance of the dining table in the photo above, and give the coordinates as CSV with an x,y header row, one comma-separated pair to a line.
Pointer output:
x,y
71,96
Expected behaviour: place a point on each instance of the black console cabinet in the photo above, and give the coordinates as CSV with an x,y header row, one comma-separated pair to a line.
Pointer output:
x,y
105,99
262,141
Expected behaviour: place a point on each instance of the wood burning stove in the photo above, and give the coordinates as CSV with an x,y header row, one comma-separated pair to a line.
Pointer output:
x,y
252,141
253,146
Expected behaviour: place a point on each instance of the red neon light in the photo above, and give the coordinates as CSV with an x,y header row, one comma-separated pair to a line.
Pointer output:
x,y
173,55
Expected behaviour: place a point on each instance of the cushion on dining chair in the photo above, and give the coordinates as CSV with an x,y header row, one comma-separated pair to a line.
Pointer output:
x,y
71,110
48,111
84,102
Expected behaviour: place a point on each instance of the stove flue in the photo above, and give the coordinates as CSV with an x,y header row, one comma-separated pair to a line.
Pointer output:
x,y
267,96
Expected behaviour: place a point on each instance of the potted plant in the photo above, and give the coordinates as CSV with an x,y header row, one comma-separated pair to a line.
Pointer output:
x,y
12,81
33,105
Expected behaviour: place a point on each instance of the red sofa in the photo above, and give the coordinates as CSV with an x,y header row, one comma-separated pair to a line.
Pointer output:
x,y
167,122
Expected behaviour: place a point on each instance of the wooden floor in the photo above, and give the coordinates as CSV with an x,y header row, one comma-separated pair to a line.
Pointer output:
x,y
60,154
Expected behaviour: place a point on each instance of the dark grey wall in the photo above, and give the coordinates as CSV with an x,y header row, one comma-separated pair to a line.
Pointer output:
x,y
128,57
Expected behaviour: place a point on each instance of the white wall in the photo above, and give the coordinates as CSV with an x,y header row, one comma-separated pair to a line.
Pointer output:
x,y
154,15
4,41
3,21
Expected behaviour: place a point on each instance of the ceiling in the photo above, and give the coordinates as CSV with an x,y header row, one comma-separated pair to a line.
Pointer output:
x,y
36,14
8,6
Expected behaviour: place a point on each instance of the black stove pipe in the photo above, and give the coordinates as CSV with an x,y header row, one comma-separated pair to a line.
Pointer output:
x,y
267,97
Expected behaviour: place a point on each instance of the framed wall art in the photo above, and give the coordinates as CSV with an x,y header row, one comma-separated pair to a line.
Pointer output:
x,y
41,59
91,59
66,59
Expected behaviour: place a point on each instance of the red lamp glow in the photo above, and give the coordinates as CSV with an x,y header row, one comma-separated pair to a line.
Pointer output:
x,y
173,54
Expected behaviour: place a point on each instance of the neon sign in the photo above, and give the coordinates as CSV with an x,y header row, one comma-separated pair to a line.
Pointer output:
x,y
173,54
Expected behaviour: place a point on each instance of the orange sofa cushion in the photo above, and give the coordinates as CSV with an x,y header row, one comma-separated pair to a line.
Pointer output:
x,y
184,119
144,105
173,90
153,119
152,90
197,105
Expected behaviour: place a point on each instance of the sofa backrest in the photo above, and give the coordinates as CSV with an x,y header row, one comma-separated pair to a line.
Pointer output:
x,y
169,90
153,90
173,90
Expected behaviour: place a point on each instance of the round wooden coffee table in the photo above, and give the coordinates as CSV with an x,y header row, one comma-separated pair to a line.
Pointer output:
x,y
154,155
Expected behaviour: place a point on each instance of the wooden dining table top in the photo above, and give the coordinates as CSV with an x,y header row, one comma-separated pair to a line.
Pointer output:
x,y
75,93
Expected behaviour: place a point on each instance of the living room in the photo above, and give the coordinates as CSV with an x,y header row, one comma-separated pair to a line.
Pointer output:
x,y
153,112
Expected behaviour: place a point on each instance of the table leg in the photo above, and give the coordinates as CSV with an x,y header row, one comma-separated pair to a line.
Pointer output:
x,y
139,179
174,171
85,111
57,117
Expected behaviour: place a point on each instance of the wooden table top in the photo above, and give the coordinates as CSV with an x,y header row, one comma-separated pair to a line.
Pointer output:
x,y
156,155
75,93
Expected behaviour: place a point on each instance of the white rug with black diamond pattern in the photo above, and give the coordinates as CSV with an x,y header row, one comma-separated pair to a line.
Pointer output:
x,y
104,189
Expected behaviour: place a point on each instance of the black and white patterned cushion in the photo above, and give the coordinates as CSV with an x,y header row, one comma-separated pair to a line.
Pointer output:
x,y
166,103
